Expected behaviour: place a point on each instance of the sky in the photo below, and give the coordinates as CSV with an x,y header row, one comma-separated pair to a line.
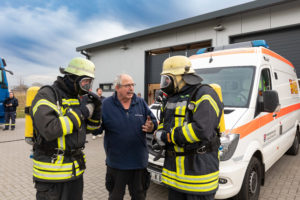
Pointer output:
x,y
37,36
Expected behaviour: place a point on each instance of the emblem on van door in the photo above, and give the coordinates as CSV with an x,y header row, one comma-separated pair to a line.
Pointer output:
x,y
293,86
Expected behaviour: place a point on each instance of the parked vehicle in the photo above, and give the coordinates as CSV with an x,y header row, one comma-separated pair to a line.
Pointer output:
x,y
262,112
3,88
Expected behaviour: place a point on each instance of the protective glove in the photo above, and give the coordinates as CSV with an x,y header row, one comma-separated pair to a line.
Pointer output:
x,y
95,99
80,113
161,137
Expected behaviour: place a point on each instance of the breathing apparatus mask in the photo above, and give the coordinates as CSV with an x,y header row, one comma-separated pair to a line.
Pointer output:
x,y
167,84
82,84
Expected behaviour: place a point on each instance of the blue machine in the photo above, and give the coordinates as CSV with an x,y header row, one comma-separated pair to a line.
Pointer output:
x,y
3,88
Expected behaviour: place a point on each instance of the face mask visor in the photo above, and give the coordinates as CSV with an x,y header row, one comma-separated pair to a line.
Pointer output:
x,y
165,81
86,84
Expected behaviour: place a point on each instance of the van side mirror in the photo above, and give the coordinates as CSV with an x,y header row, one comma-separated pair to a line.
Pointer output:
x,y
271,101
4,63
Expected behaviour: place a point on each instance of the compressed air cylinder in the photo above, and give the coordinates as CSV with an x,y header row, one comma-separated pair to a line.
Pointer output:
x,y
218,90
30,94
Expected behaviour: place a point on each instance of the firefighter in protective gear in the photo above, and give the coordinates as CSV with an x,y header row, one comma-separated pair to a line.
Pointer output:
x,y
61,120
189,127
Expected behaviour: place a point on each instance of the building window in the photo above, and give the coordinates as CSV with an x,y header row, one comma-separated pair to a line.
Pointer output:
x,y
106,87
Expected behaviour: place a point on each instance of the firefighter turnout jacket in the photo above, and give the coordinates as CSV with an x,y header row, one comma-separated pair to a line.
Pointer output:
x,y
191,160
60,134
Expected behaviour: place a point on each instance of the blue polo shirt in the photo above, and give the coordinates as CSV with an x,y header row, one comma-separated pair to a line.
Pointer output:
x,y
124,141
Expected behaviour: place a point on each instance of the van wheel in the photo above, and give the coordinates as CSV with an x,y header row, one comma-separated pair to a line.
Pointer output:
x,y
293,150
252,181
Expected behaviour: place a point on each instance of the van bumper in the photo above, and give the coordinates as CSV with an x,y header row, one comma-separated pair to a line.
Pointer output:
x,y
231,178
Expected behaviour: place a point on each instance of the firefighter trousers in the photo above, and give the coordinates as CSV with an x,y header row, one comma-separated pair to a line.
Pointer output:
x,y
10,116
175,195
71,190
138,181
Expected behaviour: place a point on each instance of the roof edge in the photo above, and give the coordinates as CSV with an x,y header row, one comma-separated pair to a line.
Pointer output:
x,y
256,4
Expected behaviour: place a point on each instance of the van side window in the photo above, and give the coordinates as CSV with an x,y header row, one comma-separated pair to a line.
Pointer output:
x,y
264,85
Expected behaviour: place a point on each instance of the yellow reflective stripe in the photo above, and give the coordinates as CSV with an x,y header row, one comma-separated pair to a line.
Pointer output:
x,y
55,175
44,102
172,136
160,126
191,187
54,166
206,178
89,127
59,159
77,117
211,101
189,133
177,110
66,124
70,102
61,142
179,160
94,121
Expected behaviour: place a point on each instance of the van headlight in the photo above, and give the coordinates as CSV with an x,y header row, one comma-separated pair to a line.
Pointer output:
x,y
228,145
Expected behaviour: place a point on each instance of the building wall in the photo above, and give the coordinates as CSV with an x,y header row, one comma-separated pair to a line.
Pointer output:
x,y
112,60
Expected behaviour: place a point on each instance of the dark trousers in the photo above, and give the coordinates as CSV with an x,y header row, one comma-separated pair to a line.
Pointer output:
x,y
138,182
175,195
71,190
12,116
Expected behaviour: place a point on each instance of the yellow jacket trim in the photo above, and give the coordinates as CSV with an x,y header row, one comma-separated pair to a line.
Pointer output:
x,y
47,103
179,161
56,175
211,101
77,117
207,178
67,125
54,166
191,187
172,136
189,133
94,121
91,128
160,126
70,102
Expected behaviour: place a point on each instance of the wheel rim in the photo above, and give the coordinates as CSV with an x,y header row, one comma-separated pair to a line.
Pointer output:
x,y
253,182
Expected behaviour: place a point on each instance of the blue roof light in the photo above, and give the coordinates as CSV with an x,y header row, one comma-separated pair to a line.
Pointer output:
x,y
260,43
201,51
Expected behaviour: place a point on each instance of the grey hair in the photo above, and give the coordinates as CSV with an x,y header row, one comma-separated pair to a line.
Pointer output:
x,y
118,80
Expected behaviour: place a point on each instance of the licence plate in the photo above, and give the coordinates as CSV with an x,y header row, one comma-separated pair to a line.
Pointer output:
x,y
155,176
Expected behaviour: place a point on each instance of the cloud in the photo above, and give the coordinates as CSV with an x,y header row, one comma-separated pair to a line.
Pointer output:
x,y
36,41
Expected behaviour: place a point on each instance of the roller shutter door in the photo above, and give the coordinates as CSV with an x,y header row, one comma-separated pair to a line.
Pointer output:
x,y
285,42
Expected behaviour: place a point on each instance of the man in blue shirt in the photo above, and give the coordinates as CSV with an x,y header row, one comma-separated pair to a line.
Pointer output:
x,y
126,119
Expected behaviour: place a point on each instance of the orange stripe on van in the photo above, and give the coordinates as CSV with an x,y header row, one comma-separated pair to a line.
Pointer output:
x,y
275,55
223,53
255,124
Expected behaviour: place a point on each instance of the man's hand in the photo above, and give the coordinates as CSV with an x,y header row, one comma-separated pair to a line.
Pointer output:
x,y
148,126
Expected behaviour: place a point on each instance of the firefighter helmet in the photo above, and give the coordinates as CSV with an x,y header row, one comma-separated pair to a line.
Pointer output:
x,y
80,67
177,65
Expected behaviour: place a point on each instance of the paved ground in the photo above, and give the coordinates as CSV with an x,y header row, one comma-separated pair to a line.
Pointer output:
x,y
282,180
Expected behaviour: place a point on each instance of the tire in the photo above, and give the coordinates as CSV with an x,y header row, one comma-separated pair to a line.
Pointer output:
x,y
252,181
293,150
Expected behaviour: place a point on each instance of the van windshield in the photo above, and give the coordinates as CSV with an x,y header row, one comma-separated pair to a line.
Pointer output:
x,y
236,83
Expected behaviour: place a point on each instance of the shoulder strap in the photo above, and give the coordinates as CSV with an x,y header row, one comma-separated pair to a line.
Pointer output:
x,y
58,99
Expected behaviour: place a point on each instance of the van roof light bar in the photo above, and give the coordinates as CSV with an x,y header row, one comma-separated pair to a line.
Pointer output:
x,y
254,43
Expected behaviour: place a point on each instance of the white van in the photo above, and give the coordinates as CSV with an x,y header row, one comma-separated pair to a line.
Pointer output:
x,y
262,112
